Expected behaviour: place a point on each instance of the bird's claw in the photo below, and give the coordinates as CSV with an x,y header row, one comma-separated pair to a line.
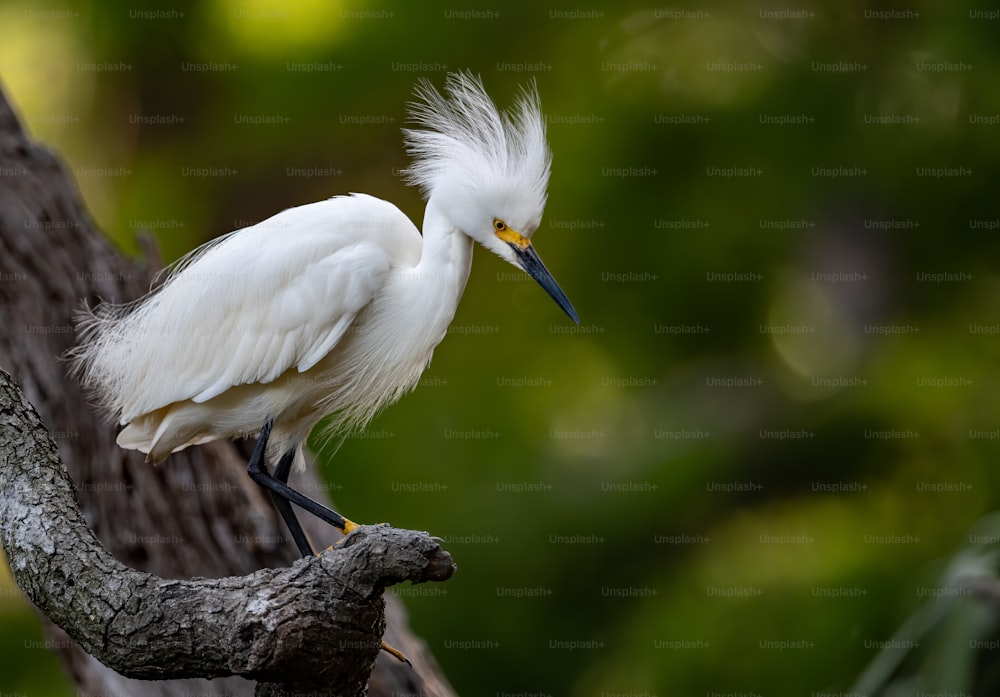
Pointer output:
x,y
397,653
348,527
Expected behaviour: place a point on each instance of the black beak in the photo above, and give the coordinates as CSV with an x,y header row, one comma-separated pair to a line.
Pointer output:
x,y
531,263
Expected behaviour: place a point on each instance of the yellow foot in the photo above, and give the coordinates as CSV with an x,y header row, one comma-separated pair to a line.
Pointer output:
x,y
349,527
397,653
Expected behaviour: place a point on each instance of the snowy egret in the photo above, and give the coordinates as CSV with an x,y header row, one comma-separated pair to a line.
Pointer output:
x,y
331,308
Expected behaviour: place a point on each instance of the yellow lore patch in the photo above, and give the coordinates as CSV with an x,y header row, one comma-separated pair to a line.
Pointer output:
x,y
509,235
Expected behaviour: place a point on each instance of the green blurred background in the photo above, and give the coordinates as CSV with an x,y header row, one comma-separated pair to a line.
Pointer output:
x,y
771,442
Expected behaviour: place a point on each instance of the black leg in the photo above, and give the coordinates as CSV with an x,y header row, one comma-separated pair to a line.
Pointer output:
x,y
284,496
280,491
281,473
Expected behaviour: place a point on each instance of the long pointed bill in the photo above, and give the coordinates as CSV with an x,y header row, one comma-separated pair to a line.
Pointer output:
x,y
533,266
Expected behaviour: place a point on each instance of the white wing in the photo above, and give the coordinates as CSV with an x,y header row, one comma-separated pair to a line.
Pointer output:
x,y
249,306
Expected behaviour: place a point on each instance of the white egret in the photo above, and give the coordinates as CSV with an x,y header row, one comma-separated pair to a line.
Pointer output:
x,y
331,308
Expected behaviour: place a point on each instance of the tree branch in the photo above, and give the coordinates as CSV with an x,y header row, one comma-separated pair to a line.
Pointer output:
x,y
152,628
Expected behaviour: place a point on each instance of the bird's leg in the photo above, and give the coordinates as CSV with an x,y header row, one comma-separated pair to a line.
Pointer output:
x,y
257,469
283,497
281,473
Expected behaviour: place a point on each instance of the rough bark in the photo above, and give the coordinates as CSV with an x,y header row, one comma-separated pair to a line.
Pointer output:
x,y
197,514
258,626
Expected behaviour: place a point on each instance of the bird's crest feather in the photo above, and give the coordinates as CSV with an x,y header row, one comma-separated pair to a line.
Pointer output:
x,y
466,141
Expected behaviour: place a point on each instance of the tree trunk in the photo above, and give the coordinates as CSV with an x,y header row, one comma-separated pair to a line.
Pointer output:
x,y
198,514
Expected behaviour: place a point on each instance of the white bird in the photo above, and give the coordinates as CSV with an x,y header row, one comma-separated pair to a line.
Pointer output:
x,y
328,308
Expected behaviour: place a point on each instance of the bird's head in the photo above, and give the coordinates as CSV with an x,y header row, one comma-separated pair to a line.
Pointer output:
x,y
487,172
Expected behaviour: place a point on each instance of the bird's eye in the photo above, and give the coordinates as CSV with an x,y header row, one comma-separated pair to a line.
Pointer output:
x,y
499,225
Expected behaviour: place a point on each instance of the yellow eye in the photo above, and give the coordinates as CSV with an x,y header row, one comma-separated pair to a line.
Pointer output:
x,y
499,225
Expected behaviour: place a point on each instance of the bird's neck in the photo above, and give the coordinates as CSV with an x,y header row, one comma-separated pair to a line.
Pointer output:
x,y
447,253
